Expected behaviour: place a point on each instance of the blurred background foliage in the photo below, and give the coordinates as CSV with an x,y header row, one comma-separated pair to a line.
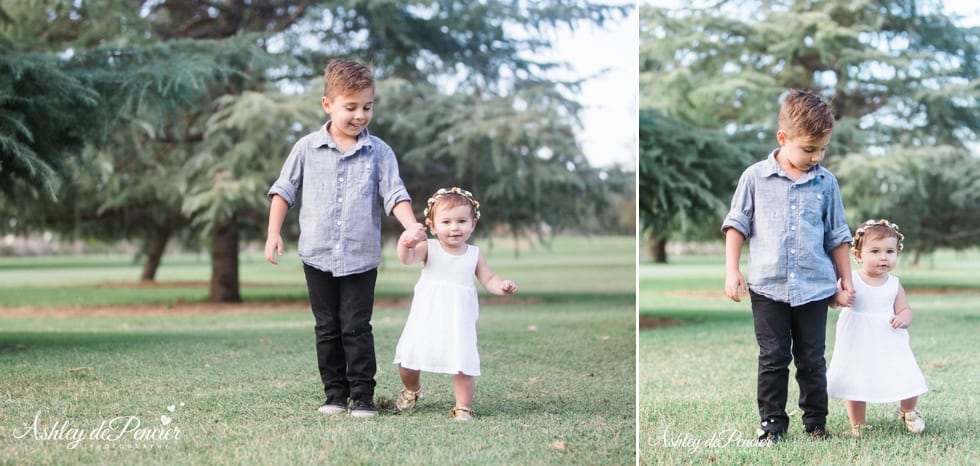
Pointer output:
x,y
901,75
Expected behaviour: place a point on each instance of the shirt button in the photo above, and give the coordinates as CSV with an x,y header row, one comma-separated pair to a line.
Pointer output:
x,y
793,228
337,246
341,179
792,275
340,199
792,251
338,222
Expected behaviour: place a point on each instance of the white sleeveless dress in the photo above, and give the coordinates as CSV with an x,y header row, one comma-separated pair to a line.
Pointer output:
x,y
872,361
440,334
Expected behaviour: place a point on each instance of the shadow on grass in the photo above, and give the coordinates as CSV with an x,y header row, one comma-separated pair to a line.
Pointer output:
x,y
111,341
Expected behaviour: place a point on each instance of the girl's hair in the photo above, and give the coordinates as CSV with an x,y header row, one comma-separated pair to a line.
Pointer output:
x,y
876,229
449,198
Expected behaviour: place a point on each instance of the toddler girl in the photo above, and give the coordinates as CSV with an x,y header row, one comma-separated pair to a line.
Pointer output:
x,y
872,360
440,334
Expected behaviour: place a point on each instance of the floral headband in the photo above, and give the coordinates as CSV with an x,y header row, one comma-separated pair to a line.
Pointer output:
x,y
860,232
454,190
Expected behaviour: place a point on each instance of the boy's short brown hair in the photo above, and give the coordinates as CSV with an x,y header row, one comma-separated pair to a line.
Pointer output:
x,y
805,113
342,77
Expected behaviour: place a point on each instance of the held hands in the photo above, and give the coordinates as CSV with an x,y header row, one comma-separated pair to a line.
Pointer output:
x,y
413,235
844,296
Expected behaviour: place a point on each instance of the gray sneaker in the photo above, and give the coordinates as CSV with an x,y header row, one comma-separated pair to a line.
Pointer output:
x,y
333,407
363,409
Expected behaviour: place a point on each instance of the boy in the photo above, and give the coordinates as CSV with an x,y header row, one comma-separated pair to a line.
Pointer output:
x,y
341,172
790,209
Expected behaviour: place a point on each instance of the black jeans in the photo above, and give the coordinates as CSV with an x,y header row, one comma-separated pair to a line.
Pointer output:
x,y
342,308
786,333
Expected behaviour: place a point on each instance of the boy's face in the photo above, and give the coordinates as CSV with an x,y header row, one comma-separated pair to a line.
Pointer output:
x,y
802,152
349,113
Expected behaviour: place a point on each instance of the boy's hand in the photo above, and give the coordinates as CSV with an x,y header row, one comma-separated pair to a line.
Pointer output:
x,y
840,299
845,294
273,244
508,287
844,297
734,285
413,235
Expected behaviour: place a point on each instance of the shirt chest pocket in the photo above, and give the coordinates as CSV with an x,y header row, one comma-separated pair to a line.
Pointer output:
x,y
812,206
365,177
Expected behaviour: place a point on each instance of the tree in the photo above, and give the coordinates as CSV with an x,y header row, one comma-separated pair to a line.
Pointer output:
x,y
895,72
686,176
38,132
933,194
217,163
509,150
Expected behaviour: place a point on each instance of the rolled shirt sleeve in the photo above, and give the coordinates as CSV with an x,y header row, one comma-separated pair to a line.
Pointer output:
x,y
290,179
390,185
742,207
837,230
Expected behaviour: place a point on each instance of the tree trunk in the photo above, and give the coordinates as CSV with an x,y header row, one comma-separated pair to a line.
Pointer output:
x,y
154,253
224,264
658,249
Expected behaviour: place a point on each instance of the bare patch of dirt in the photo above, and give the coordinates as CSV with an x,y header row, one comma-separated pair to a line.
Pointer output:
x,y
650,322
198,308
696,294
940,290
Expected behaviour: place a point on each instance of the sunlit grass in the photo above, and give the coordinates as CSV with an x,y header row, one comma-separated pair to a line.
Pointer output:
x,y
697,376
558,383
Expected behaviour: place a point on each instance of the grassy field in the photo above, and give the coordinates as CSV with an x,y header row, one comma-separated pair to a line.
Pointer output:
x,y
242,387
697,373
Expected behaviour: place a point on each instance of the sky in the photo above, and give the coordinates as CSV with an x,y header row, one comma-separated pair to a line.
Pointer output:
x,y
608,117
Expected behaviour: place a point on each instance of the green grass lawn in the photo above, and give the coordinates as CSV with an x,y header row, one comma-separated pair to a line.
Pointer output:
x,y
697,375
558,382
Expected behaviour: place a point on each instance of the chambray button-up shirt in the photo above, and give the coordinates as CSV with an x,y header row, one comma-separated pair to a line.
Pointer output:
x,y
791,227
340,217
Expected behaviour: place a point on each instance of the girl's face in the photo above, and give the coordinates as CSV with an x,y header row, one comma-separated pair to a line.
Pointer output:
x,y
452,226
349,113
878,256
799,154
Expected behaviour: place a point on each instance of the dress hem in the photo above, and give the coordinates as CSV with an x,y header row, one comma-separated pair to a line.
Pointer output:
x,y
439,370
878,400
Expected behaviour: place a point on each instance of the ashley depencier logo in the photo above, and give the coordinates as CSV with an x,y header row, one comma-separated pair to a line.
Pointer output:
x,y
118,432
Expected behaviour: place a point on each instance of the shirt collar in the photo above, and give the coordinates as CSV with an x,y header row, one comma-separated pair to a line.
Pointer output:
x,y
772,168
323,138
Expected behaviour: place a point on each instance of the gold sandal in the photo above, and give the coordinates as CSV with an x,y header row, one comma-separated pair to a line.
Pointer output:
x,y
407,398
460,413
857,430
